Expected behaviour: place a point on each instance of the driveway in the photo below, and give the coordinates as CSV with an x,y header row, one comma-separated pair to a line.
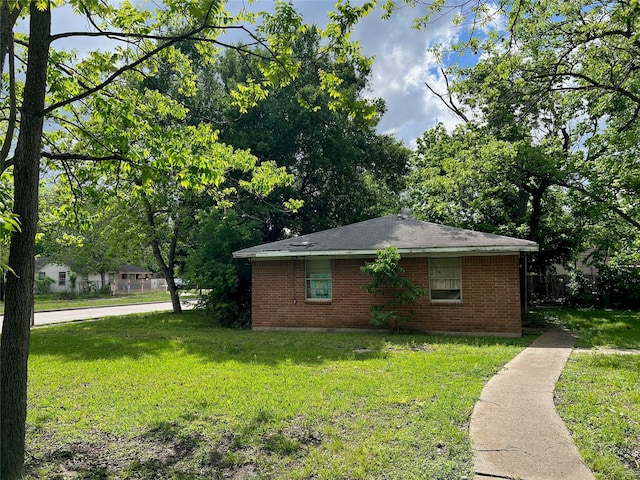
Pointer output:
x,y
77,314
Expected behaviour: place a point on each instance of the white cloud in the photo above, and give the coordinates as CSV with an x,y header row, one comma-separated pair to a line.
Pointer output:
x,y
402,66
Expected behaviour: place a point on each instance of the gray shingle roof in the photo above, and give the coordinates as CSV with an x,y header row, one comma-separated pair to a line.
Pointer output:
x,y
408,235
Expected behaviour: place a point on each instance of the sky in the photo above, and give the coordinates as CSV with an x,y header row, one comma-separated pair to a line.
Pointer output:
x,y
402,63
401,66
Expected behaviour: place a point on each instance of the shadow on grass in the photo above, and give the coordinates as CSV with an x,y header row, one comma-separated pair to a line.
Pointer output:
x,y
158,334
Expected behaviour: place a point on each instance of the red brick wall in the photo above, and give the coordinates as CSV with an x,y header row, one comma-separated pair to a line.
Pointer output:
x,y
490,297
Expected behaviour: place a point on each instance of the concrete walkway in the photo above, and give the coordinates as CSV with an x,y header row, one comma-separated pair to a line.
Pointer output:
x,y
516,432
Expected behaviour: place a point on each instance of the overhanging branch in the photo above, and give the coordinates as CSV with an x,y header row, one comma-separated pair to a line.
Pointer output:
x,y
170,42
449,103
66,157
599,199
11,123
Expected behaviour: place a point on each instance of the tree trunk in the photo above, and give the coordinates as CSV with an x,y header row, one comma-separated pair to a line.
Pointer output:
x,y
175,297
14,345
165,267
536,208
167,270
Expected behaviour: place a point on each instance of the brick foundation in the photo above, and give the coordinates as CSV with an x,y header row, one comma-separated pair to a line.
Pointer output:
x,y
490,297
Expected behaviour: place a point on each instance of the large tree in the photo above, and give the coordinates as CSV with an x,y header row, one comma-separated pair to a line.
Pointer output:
x,y
473,179
343,170
558,82
55,80
163,165
570,67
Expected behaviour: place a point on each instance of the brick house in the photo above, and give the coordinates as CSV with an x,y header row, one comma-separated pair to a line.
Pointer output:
x,y
314,281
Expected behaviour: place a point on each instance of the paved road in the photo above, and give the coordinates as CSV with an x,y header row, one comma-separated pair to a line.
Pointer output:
x,y
62,316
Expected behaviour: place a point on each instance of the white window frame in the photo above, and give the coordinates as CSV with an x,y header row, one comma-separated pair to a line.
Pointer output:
x,y
62,279
442,270
318,280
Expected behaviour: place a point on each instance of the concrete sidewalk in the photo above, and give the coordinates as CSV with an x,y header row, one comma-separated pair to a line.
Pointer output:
x,y
92,313
516,432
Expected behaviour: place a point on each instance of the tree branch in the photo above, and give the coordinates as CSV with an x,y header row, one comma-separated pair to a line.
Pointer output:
x,y
593,84
8,18
142,36
450,104
599,199
65,157
170,42
11,123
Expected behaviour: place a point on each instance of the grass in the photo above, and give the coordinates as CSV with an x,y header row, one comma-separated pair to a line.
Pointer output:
x,y
596,328
597,395
165,396
599,400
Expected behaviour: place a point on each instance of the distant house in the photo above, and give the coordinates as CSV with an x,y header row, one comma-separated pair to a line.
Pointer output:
x,y
314,281
125,279
60,275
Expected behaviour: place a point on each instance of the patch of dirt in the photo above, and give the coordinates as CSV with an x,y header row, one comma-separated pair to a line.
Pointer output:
x,y
160,453
169,450
631,458
304,434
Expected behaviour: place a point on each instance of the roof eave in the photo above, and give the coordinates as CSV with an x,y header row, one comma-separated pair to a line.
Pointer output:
x,y
498,250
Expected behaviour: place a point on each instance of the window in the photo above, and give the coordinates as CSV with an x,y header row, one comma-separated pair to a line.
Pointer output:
x,y
62,278
445,279
318,279
42,275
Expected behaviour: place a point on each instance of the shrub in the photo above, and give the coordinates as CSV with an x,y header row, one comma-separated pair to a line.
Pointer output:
x,y
43,286
388,282
620,286
226,311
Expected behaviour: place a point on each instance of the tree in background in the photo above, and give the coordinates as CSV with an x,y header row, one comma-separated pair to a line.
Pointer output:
x,y
175,164
559,79
342,169
472,179
88,238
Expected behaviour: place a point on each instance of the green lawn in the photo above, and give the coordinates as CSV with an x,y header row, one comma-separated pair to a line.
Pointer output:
x,y
596,328
598,395
165,396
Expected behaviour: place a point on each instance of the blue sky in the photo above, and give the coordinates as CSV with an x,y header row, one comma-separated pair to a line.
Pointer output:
x,y
401,67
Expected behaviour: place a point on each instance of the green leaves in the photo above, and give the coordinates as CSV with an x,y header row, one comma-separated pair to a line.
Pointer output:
x,y
552,123
388,282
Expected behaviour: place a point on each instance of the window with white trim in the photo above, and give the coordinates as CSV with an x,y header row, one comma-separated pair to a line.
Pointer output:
x,y
445,279
62,278
317,279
